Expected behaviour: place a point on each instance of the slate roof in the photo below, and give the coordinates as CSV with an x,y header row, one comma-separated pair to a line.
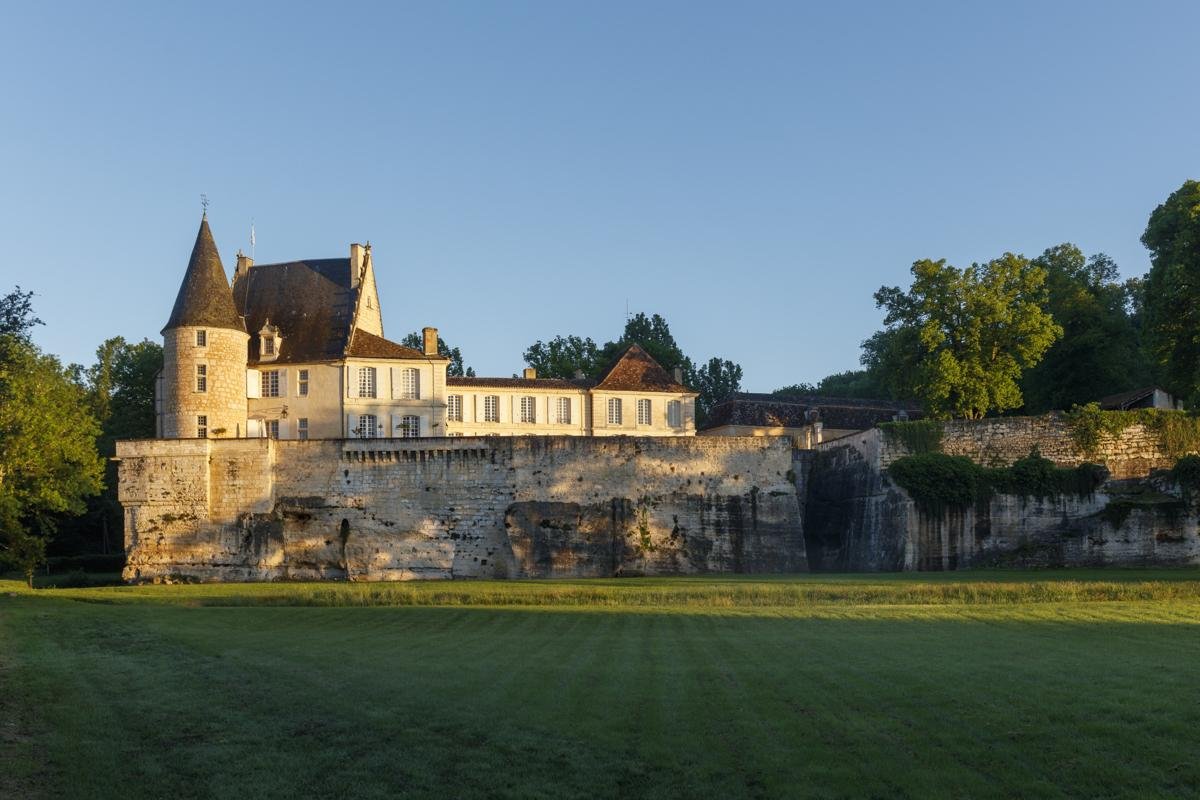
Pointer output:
x,y
635,370
836,413
1126,400
204,297
520,383
311,303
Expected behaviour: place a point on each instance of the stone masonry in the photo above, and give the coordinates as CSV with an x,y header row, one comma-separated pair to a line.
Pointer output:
x,y
261,509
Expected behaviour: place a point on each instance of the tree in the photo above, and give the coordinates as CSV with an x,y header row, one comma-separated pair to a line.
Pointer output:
x,y
1172,290
862,384
563,357
654,335
48,458
416,341
16,314
1098,352
960,339
715,380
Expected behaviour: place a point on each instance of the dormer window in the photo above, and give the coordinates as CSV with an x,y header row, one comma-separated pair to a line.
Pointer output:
x,y
269,342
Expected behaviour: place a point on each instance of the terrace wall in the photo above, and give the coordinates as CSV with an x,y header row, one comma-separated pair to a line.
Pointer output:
x,y
260,509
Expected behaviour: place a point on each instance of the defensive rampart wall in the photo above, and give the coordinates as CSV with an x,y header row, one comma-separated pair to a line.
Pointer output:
x,y
395,509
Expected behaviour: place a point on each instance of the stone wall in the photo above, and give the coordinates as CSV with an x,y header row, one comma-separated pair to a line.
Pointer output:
x,y
857,519
442,508
995,442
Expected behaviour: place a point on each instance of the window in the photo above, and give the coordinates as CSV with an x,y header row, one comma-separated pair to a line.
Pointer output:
x,y
675,413
268,346
643,412
202,426
368,427
410,426
410,384
564,411
272,428
528,409
302,428
366,382
201,338
614,411
201,377
454,408
491,408
302,383
270,383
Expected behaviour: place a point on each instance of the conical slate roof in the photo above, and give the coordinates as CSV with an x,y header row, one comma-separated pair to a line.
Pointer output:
x,y
205,298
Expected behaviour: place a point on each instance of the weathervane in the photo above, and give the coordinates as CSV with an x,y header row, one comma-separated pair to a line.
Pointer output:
x,y
204,203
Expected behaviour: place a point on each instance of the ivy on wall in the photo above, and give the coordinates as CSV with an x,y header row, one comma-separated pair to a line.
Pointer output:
x,y
917,436
1178,432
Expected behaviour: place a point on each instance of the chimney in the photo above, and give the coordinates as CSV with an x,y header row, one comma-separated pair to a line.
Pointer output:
x,y
678,373
429,340
244,263
530,373
358,254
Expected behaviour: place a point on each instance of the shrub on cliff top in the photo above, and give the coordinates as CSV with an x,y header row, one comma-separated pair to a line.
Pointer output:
x,y
1178,433
936,481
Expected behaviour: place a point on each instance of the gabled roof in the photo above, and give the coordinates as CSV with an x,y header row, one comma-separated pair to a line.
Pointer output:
x,y
368,345
205,298
636,371
796,411
311,303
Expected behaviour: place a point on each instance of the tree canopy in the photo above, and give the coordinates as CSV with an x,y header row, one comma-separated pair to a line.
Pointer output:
x,y
564,356
48,458
456,369
1172,290
958,340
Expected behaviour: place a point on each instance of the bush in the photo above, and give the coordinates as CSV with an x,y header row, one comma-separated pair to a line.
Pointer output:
x,y
936,481
917,436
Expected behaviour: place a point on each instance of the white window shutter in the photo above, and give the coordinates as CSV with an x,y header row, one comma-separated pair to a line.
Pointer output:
x,y
351,382
417,385
351,424
283,429
396,422
395,375
253,383
283,389
253,428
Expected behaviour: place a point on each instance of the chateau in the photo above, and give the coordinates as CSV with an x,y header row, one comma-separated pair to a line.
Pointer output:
x,y
296,350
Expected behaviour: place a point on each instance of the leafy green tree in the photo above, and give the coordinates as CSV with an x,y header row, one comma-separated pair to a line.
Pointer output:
x,y
48,458
16,314
563,356
456,369
856,383
654,335
714,380
1172,290
1098,352
959,339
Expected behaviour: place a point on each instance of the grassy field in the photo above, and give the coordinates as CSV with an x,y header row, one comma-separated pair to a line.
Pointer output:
x,y
1001,684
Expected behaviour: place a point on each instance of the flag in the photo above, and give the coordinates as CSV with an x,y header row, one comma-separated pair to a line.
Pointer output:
x,y
252,234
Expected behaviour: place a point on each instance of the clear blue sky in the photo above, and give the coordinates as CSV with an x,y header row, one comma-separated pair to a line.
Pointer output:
x,y
752,171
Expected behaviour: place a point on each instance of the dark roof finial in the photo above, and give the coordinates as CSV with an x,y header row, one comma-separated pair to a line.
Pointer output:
x,y
203,206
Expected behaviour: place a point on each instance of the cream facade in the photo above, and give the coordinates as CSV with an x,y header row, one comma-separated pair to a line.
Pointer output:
x,y
296,350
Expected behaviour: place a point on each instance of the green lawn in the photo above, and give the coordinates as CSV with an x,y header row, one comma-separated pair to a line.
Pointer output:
x,y
1054,684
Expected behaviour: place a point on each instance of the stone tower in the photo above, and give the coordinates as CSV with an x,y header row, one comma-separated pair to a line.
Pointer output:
x,y
204,352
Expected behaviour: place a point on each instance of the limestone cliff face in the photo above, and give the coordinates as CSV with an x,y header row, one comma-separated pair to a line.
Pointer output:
x,y
857,519
449,508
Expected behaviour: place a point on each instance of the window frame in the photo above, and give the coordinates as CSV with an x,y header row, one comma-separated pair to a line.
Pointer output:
x,y
302,428
564,404
270,383
410,383
614,404
202,378
454,408
492,415
364,431
368,383
528,409
644,404
302,383
410,426
202,426
675,413
201,338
